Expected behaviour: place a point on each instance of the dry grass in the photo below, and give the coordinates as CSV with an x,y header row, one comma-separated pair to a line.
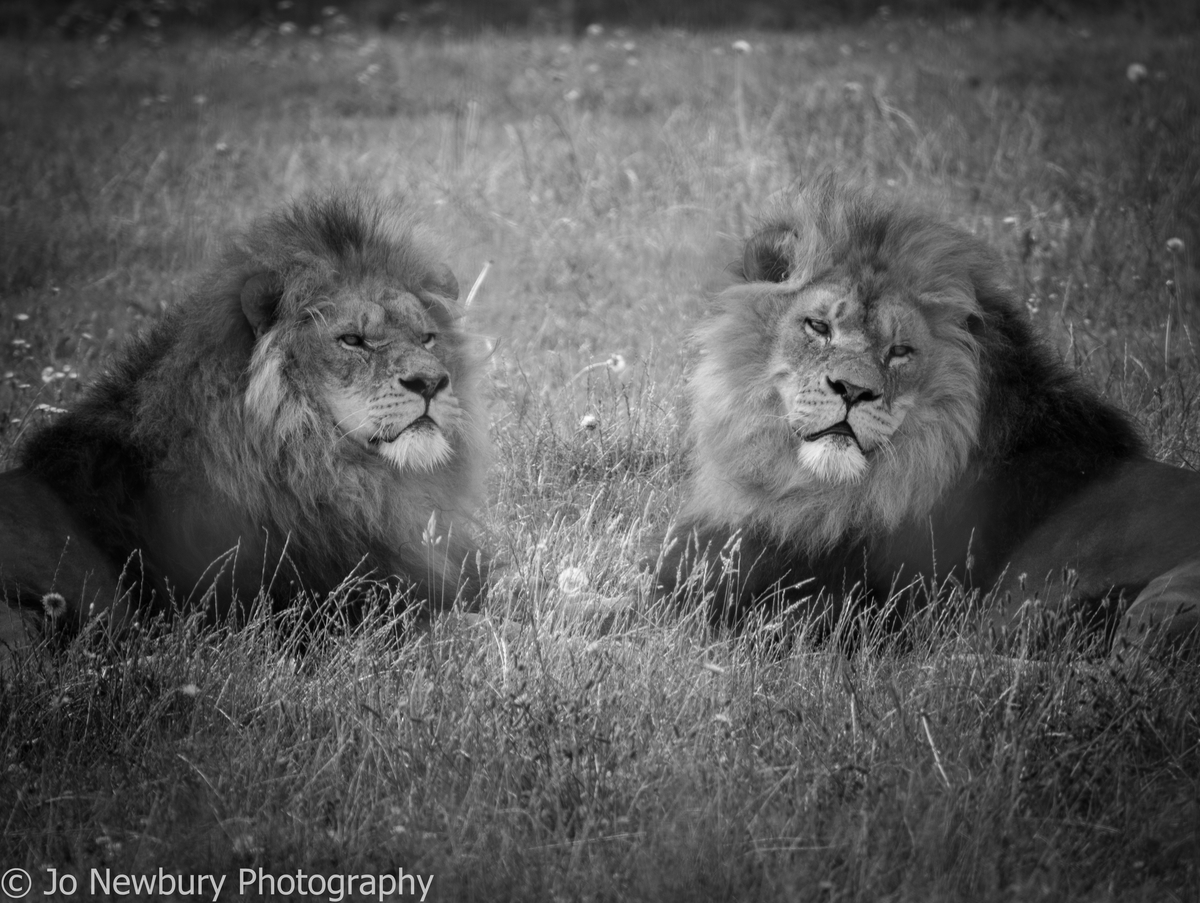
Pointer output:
x,y
607,179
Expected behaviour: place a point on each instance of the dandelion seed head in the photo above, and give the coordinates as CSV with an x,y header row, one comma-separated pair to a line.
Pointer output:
x,y
589,422
54,605
190,690
573,580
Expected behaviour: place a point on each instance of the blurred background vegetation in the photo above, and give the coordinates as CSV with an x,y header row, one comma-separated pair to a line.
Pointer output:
x,y
87,18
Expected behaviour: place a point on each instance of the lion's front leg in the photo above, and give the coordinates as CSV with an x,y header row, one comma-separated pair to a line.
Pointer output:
x,y
734,572
1165,616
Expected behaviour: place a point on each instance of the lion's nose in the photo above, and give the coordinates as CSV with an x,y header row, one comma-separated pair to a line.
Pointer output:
x,y
850,392
426,385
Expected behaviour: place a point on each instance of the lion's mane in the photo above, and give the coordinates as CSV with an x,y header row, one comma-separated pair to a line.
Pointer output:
x,y
1001,433
200,461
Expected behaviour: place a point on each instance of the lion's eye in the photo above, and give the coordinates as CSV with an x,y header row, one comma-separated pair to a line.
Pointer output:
x,y
899,353
429,339
817,327
350,340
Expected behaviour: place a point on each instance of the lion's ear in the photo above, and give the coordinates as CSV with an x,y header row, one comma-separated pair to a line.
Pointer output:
x,y
768,255
440,281
261,294
976,325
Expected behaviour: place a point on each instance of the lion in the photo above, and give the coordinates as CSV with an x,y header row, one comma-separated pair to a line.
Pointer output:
x,y
308,415
871,412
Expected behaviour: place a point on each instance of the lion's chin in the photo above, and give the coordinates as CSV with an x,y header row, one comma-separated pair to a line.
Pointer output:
x,y
420,447
833,459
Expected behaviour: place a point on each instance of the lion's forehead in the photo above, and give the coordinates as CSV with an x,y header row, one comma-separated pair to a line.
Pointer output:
x,y
382,311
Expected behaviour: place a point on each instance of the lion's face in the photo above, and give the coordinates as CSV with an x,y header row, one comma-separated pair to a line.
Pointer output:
x,y
389,387
847,375
377,361
839,386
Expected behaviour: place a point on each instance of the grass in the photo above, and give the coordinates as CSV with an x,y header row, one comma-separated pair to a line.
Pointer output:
x,y
608,179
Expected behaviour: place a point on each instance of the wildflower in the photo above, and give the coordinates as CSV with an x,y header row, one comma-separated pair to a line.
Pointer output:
x,y
589,422
615,364
287,28
573,580
329,11
190,690
1175,245
573,95
1136,72
245,845
47,374
108,844
221,147
595,30
49,409
21,318
742,47
54,605
200,99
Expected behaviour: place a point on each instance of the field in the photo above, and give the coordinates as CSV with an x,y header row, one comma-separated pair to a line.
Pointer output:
x,y
608,179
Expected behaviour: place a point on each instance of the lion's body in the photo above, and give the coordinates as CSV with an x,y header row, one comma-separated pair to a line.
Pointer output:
x,y
871,410
307,415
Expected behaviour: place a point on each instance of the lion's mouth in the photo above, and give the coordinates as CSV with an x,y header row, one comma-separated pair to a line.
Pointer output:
x,y
841,428
424,423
